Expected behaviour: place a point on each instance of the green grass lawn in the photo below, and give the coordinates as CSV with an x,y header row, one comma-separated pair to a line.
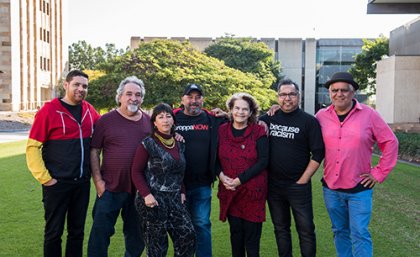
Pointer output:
x,y
395,222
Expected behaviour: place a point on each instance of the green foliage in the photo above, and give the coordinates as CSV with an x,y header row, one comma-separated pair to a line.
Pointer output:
x,y
166,67
102,91
83,56
364,69
247,55
394,225
409,145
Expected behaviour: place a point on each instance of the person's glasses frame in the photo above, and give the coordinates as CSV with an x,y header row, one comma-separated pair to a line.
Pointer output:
x,y
292,95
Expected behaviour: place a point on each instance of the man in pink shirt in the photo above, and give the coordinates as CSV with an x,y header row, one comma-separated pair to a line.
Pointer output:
x,y
350,130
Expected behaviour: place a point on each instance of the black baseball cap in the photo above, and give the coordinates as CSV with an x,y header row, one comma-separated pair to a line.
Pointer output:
x,y
192,87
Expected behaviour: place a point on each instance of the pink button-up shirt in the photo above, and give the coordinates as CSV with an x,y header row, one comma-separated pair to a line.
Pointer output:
x,y
349,146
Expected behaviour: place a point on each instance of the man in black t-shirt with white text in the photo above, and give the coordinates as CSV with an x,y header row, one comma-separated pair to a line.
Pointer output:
x,y
296,151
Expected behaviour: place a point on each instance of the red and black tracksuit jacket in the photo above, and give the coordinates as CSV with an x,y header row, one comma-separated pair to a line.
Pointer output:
x,y
58,145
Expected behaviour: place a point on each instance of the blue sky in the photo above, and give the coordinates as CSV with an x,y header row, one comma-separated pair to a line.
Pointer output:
x,y
115,21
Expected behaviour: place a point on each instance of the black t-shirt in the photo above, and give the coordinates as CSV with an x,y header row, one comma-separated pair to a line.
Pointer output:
x,y
75,110
294,138
341,118
196,132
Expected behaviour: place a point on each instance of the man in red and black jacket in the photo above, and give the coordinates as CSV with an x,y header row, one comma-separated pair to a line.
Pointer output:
x,y
58,156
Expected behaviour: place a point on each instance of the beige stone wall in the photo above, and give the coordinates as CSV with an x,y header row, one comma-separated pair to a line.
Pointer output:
x,y
5,56
310,75
201,43
405,40
398,89
32,52
290,57
385,95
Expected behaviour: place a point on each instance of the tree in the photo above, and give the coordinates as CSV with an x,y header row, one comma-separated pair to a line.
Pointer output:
x,y
364,69
83,56
166,67
247,55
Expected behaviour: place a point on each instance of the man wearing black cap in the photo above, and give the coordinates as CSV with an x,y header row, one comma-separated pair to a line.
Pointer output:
x,y
349,130
199,129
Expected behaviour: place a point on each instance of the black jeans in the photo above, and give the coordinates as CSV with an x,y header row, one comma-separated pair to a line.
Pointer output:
x,y
61,200
244,237
298,198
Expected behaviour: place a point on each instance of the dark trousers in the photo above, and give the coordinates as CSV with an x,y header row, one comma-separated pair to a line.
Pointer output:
x,y
105,212
298,198
61,200
244,237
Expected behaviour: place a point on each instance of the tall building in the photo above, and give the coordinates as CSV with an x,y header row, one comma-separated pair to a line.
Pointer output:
x,y
33,52
397,77
309,62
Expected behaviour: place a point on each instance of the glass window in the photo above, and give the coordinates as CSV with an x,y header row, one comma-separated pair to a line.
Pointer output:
x,y
332,58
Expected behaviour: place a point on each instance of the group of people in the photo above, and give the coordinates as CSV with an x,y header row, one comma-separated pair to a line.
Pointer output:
x,y
157,171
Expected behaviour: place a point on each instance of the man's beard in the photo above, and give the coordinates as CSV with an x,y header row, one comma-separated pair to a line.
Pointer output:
x,y
194,111
132,107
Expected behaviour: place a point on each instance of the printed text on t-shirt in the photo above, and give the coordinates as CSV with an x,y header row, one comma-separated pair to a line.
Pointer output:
x,y
283,131
192,127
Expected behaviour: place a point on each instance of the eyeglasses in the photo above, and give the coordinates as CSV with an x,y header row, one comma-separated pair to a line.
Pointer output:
x,y
291,95
342,90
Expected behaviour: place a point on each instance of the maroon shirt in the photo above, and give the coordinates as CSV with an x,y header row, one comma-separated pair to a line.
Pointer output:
x,y
118,138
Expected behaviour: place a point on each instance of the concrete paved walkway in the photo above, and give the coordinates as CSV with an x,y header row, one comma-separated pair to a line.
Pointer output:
x,y
13,136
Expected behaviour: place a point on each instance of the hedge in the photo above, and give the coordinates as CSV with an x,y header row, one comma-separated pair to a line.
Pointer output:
x,y
409,146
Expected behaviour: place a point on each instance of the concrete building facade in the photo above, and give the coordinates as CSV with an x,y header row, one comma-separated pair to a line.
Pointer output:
x,y
398,77
309,62
33,52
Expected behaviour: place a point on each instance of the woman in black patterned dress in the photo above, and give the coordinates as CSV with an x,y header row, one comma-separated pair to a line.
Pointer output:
x,y
157,173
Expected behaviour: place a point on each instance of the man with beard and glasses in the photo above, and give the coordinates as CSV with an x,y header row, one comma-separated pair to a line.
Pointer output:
x,y
117,135
296,151
199,128
57,154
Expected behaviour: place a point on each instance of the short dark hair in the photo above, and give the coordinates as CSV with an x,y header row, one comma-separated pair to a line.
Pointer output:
x,y
158,109
287,82
75,73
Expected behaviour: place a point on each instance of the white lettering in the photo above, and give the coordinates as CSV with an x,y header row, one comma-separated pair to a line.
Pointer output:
x,y
283,131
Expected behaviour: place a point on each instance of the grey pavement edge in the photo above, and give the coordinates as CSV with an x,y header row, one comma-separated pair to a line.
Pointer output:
x,y
11,136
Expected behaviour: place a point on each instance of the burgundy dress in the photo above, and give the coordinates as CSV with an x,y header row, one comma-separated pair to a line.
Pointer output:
x,y
236,155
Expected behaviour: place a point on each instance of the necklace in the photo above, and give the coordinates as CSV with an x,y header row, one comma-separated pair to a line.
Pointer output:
x,y
169,143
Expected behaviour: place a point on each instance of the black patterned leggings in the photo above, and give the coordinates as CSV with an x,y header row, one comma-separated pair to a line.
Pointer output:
x,y
170,217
